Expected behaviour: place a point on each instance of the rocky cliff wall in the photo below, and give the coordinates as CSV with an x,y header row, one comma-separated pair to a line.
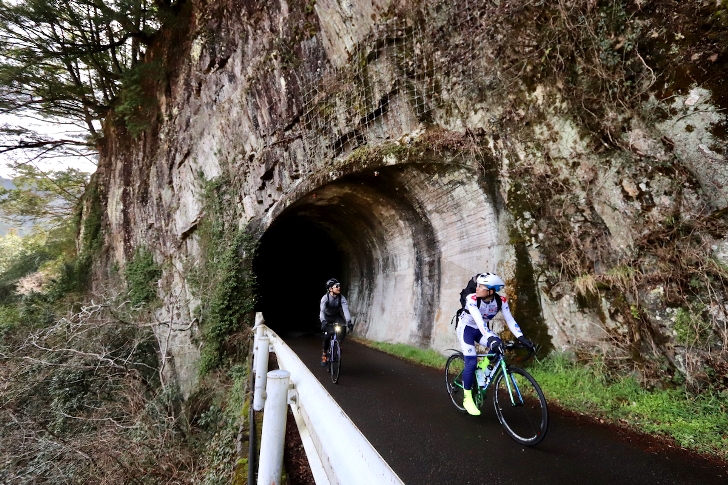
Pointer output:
x,y
403,146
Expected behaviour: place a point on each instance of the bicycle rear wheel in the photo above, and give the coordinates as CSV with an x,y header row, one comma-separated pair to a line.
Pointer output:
x,y
335,367
454,379
522,412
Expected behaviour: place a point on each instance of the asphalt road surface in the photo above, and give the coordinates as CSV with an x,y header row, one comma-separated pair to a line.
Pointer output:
x,y
405,412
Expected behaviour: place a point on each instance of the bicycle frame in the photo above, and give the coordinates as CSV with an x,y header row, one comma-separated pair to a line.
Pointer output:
x,y
499,366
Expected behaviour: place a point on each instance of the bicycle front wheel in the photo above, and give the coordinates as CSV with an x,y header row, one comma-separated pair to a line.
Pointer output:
x,y
454,379
335,367
521,407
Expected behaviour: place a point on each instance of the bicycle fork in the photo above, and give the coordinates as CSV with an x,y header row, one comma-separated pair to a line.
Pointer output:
x,y
331,348
511,379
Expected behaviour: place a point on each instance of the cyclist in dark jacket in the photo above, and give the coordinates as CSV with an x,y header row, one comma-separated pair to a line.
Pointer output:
x,y
333,309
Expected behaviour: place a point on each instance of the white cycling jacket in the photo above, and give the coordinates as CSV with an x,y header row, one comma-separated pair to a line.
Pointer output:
x,y
477,317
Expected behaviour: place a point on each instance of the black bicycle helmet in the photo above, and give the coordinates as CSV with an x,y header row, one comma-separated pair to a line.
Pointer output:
x,y
331,283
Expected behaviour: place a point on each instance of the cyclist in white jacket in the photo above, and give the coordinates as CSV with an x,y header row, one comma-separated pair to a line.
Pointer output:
x,y
473,326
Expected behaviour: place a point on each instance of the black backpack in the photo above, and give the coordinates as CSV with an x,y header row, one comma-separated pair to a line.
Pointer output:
x,y
468,290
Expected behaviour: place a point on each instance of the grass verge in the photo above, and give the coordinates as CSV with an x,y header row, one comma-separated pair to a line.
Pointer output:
x,y
426,357
698,423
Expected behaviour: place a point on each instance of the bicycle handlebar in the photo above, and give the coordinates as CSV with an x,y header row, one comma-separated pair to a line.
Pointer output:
x,y
511,345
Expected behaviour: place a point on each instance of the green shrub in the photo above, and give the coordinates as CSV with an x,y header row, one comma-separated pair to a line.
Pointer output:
x,y
141,275
220,423
74,276
137,105
691,329
232,296
223,275
92,235
9,319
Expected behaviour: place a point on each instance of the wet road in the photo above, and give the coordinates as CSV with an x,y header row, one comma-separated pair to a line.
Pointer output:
x,y
405,412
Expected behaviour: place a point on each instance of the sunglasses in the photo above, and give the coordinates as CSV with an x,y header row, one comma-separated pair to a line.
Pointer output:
x,y
336,286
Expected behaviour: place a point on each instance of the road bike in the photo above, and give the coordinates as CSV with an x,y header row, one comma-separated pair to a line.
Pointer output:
x,y
333,355
518,400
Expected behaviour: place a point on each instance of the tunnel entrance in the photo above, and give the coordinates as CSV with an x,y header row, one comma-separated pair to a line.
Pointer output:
x,y
370,231
295,258
402,239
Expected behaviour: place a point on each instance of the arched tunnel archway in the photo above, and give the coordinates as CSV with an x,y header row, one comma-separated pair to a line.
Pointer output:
x,y
367,229
403,239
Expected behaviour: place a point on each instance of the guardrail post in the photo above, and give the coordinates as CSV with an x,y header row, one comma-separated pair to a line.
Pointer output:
x,y
259,332
261,368
274,428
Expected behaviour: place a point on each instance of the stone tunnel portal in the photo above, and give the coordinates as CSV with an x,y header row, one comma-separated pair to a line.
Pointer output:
x,y
401,239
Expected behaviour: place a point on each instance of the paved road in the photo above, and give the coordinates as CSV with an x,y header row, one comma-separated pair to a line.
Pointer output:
x,y
405,412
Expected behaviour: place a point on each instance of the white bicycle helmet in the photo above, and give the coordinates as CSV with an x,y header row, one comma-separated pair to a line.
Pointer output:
x,y
491,281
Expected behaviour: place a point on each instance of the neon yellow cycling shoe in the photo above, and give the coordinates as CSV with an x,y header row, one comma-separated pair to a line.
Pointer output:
x,y
469,404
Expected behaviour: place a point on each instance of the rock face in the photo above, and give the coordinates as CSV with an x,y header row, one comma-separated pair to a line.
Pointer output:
x,y
418,145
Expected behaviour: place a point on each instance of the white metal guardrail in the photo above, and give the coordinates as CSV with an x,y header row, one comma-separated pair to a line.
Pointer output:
x,y
337,451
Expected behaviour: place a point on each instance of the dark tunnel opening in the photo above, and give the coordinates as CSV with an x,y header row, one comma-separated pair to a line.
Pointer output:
x,y
295,258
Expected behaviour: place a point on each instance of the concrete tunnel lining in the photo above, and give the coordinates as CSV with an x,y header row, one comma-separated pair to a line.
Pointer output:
x,y
394,235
